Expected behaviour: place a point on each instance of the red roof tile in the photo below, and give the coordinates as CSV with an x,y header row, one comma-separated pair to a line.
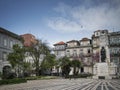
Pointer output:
x,y
59,43
85,39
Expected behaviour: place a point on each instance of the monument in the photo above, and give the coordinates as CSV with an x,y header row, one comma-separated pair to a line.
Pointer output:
x,y
104,69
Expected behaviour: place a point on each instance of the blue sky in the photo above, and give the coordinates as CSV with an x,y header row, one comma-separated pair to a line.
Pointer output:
x,y
59,20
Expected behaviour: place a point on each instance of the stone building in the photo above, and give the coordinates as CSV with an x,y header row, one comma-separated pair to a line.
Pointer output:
x,y
59,49
99,55
76,50
85,55
103,67
7,40
114,44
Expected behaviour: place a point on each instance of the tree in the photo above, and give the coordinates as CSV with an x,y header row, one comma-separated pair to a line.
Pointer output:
x,y
27,67
40,48
17,57
65,65
75,64
48,63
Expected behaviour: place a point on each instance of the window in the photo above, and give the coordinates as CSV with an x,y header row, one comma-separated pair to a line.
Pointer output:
x,y
81,43
4,56
88,42
5,42
88,50
74,53
75,43
119,39
115,50
115,60
81,51
68,53
11,44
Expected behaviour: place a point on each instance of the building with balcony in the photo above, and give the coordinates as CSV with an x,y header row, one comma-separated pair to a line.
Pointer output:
x,y
76,50
59,49
89,52
72,49
7,40
114,44
86,54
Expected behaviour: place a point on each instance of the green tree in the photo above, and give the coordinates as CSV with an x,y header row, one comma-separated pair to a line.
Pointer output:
x,y
76,64
38,49
17,58
48,63
27,66
65,65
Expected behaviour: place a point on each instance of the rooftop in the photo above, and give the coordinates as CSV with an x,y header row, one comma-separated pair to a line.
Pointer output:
x,y
6,32
59,43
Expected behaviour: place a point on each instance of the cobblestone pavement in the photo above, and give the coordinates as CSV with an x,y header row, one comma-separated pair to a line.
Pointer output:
x,y
65,84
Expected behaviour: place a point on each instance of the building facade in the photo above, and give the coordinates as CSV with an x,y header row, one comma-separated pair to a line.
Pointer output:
x,y
7,40
76,50
89,52
114,44
59,49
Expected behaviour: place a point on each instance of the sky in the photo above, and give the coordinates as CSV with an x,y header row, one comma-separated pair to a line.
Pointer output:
x,y
59,20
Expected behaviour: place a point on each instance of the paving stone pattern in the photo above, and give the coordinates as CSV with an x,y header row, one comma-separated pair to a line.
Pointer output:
x,y
65,84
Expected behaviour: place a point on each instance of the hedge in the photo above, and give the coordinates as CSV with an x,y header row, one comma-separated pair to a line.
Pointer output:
x,y
40,77
12,81
79,76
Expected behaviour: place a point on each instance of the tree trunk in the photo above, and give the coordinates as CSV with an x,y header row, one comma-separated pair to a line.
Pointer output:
x,y
37,68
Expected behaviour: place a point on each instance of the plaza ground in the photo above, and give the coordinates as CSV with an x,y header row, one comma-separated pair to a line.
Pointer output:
x,y
66,84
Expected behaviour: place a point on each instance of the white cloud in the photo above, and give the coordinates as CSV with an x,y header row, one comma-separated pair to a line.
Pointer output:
x,y
64,25
77,18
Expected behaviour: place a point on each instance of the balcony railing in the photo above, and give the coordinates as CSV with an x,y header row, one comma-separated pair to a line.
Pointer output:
x,y
115,54
55,49
114,44
80,55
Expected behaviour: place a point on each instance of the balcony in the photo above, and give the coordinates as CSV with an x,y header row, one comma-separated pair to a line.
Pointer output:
x,y
95,46
115,54
114,44
88,55
56,49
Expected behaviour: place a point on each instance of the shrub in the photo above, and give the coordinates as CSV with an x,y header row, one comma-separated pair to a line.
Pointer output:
x,y
83,75
12,81
10,75
26,74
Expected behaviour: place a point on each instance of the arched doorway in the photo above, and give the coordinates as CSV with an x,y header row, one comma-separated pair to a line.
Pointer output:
x,y
6,71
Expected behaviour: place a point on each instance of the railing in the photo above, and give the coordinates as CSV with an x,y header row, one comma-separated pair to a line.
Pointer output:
x,y
114,44
115,54
58,49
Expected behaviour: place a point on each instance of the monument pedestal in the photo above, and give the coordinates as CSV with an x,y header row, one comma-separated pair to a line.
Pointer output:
x,y
103,71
